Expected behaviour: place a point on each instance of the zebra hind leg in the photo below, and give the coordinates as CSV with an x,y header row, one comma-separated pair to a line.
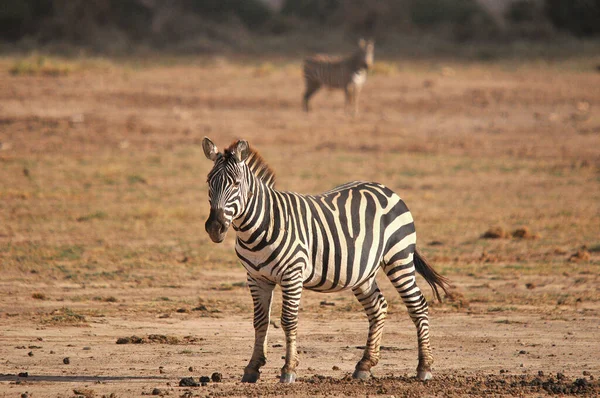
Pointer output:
x,y
262,294
402,275
311,89
372,300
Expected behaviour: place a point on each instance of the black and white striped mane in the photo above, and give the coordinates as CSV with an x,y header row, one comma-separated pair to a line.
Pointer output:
x,y
256,163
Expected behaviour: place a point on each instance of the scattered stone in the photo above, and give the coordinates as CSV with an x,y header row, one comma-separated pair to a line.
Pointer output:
x,y
156,391
66,360
87,348
560,376
204,379
530,286
30,353
586,373
540,373
23,374
522,352
161,369
327,303
216,377
188,382
25,395
182,310
201,307
335,367
436,243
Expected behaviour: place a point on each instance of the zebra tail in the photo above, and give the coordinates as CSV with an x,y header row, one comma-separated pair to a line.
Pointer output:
x,y
432,277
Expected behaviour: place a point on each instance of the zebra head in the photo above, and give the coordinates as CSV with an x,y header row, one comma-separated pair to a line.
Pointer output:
x,y
366,49
227,186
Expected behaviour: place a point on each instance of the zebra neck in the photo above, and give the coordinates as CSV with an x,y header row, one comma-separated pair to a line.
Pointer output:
x,y
264,215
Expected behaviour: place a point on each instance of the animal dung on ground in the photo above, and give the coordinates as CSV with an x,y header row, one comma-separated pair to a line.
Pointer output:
x,y
524,233
580,255
495,233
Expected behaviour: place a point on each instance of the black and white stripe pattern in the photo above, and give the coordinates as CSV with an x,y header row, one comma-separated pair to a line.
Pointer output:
x,y
349,73
329,242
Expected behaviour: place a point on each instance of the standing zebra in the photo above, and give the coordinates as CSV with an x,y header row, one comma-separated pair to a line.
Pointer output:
x,y
329,242
348,73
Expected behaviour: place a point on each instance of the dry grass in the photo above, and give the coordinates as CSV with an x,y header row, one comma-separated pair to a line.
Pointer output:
x,y
103,176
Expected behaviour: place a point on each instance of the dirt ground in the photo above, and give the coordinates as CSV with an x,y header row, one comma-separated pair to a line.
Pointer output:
x,y
103,201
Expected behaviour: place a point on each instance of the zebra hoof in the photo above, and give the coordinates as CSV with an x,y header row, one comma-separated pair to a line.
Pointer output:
x,y
250,377
424,375
287,378
361,374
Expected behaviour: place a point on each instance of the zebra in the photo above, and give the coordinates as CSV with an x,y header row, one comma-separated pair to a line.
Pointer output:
x,y
329,242
348,73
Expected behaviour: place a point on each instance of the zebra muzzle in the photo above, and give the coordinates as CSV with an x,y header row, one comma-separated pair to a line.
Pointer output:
x,y
217,225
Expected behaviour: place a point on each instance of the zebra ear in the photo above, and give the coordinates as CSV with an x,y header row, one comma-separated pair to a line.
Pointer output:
x,y
210,149
362,43
241,150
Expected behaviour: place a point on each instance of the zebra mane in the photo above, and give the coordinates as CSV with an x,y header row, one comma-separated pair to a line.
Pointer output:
x,y
256,164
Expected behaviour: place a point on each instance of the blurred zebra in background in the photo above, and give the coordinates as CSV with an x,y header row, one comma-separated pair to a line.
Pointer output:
x,y
348,73
334,241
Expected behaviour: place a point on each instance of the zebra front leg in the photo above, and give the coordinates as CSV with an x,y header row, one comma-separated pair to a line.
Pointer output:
x,y
311,89
291,290
402,275
262,294
371,298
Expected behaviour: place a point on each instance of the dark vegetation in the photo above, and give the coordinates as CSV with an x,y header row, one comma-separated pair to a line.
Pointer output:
x,y
214,25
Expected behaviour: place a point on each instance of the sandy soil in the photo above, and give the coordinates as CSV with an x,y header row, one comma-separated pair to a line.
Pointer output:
x,y
103,202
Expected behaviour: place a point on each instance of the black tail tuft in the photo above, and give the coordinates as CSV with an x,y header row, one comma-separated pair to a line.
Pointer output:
x,y
434,279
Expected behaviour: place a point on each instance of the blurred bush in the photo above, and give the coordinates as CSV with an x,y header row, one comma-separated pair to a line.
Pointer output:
x,y
580,17
211,25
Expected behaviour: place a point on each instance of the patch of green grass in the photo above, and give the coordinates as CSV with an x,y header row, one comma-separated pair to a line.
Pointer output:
x,y
70,253
136,179
41,65
98,215
65,316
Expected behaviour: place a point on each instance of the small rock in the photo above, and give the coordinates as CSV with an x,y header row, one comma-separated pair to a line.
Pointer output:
x,y
327,303
530,286
23,374
188,382
540,373
204,379
30,353
66,361
335,367
560,376
156,391
87,348
522,352
24,395
586,373
182,310
216,377
191,368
